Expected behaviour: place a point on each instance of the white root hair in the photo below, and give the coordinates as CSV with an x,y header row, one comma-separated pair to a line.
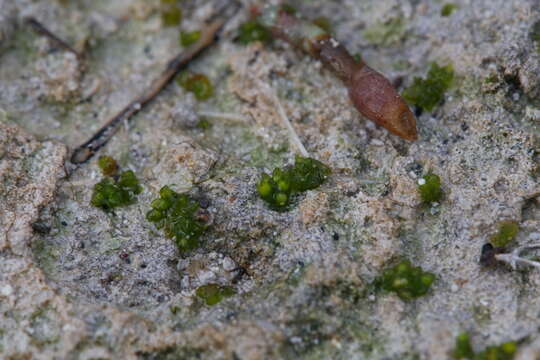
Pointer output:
x,y
515,258
292,133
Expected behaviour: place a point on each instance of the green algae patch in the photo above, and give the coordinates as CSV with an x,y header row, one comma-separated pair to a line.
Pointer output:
x,y
189,38
407,281
279,188
463,350
196,83
429,92
213,293
448,9
115,192
252,31
429,188
506,234
176,214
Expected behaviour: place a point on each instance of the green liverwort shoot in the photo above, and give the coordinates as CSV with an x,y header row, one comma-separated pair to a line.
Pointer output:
x,y
189,38
507,233
448,9
176,214
406,280
306,174
171,14
505,351
108,165
463,349
429,188
110,193
198,84
213,293
252,31
428,93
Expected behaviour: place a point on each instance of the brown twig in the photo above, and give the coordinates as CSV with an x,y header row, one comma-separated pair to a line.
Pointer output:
x,y
42,30
85,151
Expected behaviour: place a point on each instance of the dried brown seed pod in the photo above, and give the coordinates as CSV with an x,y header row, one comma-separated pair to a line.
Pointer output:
x,y
371,93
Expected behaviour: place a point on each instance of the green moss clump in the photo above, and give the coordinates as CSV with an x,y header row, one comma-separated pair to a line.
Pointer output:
x,y
406,280
189,38
176,215
198,84
463,349
213,293
110,193
429,187
278,189
507,233
108,165
428,93
252,31
448,9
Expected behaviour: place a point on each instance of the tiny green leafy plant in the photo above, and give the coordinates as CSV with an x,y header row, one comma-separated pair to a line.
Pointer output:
x,y
463,350
212,294
429,187
429,92
176,214
114,191
506,234
107,165
448,9
189,38
198,84
252,31
171,13
279,188
406,280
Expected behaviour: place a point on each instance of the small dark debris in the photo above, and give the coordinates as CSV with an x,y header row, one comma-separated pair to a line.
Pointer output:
x,y
143,266
335,236
487,256
352,193
41,228
63,223
415,167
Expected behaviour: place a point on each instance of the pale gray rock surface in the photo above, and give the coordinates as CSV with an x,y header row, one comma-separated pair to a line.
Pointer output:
x,y
80,283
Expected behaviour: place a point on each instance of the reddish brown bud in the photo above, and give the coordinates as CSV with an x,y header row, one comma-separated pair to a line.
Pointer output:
x,y
375,98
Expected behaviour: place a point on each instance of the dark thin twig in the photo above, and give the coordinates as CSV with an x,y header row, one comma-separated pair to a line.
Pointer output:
x,y
40,29
85,151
